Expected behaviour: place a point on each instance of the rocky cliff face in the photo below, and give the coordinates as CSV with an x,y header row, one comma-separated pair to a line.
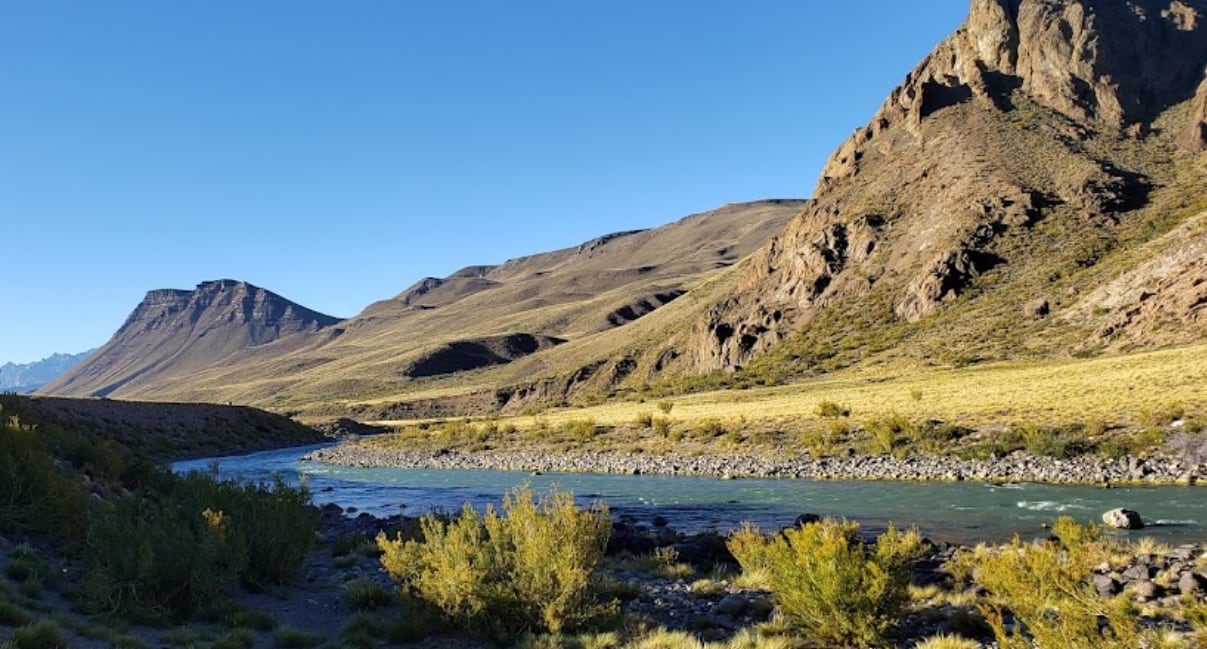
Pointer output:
x,y
176,332
1065,112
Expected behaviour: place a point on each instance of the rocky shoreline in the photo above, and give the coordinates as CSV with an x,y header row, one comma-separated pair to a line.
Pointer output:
x,y
1016,467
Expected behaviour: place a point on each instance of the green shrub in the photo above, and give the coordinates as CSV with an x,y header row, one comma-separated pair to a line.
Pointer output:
x,y
644,419
1062,442
39,635
12,615
288,637
662,427
1046,588
666,406
172,552
36,496
527,569
829,583
364,594
236,639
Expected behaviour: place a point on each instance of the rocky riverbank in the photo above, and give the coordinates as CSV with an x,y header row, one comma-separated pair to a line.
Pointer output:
x,y
1016,467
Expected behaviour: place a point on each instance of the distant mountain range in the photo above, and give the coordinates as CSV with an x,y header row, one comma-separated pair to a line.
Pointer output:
x,y
28,377
1036,188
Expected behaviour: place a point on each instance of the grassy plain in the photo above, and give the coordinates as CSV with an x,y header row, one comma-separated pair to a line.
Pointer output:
x,y
1129,391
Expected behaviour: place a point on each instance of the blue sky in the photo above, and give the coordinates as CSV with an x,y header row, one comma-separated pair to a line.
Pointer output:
x,y
336,152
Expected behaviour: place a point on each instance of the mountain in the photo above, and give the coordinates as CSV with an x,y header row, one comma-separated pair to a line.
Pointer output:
x,y
28,377
1035,187
173,333
181,345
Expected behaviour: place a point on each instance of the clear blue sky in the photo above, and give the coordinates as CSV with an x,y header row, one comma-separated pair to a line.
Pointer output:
x,y
335,152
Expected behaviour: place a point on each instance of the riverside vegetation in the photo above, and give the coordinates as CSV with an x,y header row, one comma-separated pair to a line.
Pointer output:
x,y
104,548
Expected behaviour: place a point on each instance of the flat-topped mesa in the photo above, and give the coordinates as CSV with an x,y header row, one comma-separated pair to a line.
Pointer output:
x,y
181,331
225,302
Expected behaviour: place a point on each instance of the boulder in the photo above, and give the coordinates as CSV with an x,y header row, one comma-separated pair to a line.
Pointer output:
x,y
1122,519
731,605
1146,590
1037,308
1106,586
1191,583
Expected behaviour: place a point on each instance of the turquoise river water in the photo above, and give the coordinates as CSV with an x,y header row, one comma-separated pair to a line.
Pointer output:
x,y
962,512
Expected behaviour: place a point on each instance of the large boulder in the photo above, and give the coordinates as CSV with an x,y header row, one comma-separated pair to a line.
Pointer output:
x,y
1122,519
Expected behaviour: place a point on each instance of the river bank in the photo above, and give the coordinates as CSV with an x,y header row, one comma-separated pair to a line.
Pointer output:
x,y
1015,467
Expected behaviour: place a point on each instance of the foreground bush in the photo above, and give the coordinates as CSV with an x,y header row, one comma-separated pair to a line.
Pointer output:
x,y
36,496
170,552
529,568
1046,588
829,583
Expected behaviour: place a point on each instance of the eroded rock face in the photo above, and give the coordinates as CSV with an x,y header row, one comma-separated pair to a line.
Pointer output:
x,y
918,198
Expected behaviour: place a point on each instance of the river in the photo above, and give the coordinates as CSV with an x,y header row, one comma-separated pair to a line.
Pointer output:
x,y
957,512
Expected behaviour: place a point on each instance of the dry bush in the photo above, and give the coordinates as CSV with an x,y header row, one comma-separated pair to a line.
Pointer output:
x,y
828,582
528,568
1045,588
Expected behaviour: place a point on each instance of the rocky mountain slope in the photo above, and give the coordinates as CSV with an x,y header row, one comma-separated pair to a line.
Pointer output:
x,y
27,377
1034,186
174,333
199,346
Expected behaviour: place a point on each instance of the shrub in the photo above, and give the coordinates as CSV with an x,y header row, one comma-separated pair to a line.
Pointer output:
x,y
1046,588
887,432
666,407
526,569
662,427
12,615
172,551
831,410
288,637
364,594
828,582
1061,443
582,430
943,641
644,419
36,496
39,635
707,588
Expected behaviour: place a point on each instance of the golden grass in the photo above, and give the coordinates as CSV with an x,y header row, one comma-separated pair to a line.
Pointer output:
x,y
1115,390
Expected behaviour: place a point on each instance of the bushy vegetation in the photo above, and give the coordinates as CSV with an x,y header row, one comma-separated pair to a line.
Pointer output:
x,y
528,568
829,583
36,496
173,550
1045,589
168,546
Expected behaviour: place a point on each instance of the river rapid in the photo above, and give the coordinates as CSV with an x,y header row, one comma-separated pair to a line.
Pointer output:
x,y
956,512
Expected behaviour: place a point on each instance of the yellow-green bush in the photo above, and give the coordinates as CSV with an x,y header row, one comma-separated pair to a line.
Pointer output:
x,y
1045,588
528,568
828,582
